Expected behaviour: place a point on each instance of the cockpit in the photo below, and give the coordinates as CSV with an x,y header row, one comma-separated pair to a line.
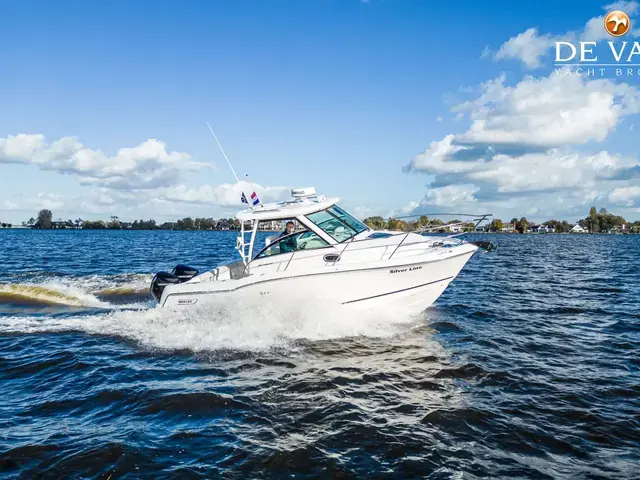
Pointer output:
x,y
334,222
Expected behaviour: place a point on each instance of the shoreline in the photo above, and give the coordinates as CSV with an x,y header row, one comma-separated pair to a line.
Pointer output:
x,y
277,231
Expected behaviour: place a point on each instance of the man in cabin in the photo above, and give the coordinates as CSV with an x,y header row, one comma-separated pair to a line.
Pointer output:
x,y
288,244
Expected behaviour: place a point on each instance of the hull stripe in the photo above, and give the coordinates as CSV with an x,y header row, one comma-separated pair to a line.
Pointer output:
x,y
397,291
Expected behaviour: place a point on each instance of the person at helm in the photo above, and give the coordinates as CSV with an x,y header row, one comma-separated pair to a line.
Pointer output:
x,y
289,244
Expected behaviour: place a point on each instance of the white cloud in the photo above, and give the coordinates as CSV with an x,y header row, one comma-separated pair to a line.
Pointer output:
x,y
534,115
626,196
516,154
529,47
550,111
173,202
20,148
35,203
149,165
143,178
518,145
223,195
441,197
570,204
550,170
407,209
533,211
437,158
139,181
451,195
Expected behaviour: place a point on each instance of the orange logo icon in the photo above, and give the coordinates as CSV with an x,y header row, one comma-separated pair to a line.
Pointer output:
x,y
617,23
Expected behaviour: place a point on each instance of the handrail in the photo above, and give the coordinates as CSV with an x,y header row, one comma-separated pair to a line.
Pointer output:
x,y
477,220
445,213
398,246
290,258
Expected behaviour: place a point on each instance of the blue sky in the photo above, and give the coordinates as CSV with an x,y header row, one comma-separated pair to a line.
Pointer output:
x,y
364,100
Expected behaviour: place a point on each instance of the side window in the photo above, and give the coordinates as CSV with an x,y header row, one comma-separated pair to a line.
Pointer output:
x,y
293,243
273,249
310,241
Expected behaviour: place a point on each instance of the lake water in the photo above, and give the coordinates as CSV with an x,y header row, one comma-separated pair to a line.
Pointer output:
x,y
527,367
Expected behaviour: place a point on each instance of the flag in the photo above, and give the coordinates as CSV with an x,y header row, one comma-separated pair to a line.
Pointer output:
x,y
254,199
244,199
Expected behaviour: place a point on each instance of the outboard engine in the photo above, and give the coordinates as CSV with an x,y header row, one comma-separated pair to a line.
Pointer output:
x,y
184,273
180,274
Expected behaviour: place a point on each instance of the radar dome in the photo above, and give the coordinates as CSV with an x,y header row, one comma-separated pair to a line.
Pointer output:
x,y
303,192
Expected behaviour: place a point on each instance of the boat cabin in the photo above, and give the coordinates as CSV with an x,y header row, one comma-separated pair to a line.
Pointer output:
x,y
321,223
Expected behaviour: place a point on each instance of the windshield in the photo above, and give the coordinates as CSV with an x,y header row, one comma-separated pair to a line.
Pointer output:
x,y
353,222
337,223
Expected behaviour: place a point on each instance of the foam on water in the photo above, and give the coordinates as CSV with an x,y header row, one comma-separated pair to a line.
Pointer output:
x,y
92,291
240,324
49,294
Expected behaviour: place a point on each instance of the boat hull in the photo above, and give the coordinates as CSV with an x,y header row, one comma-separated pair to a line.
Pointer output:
x,y
411,287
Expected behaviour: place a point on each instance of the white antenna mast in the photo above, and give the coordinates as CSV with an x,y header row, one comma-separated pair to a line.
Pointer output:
x,y
229,163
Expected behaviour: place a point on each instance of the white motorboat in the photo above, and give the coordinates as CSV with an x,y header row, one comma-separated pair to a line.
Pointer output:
x,y
331,256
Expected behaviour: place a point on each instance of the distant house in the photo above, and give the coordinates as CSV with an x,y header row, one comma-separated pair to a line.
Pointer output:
x,y
510,228
272,226
481,229
577,229
223,225
542,229
456,228
63,224
619,229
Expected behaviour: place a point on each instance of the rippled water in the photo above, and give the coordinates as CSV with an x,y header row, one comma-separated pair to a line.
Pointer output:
x,y
527,367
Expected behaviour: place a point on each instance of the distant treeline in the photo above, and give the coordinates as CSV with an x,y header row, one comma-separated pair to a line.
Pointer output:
x,y
45,221
596,222
187,223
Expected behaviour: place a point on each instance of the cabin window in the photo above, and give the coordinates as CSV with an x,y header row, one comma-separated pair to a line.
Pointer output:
x,y
295,242
337,223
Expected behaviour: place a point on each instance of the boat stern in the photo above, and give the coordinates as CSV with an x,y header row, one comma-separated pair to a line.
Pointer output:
x,y
162,280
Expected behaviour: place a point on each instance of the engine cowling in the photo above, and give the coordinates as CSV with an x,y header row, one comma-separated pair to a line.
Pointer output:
x,y
179,274
184,272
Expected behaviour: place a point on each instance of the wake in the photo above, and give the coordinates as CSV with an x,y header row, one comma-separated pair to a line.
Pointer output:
x,y
95,291
236,325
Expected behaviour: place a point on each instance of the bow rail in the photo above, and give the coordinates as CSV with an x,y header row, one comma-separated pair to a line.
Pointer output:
x,y
476,220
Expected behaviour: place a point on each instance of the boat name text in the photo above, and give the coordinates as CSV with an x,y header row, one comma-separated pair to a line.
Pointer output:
x,y
408,269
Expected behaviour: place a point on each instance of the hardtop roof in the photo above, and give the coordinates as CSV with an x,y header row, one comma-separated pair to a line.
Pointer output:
x,y
287,209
